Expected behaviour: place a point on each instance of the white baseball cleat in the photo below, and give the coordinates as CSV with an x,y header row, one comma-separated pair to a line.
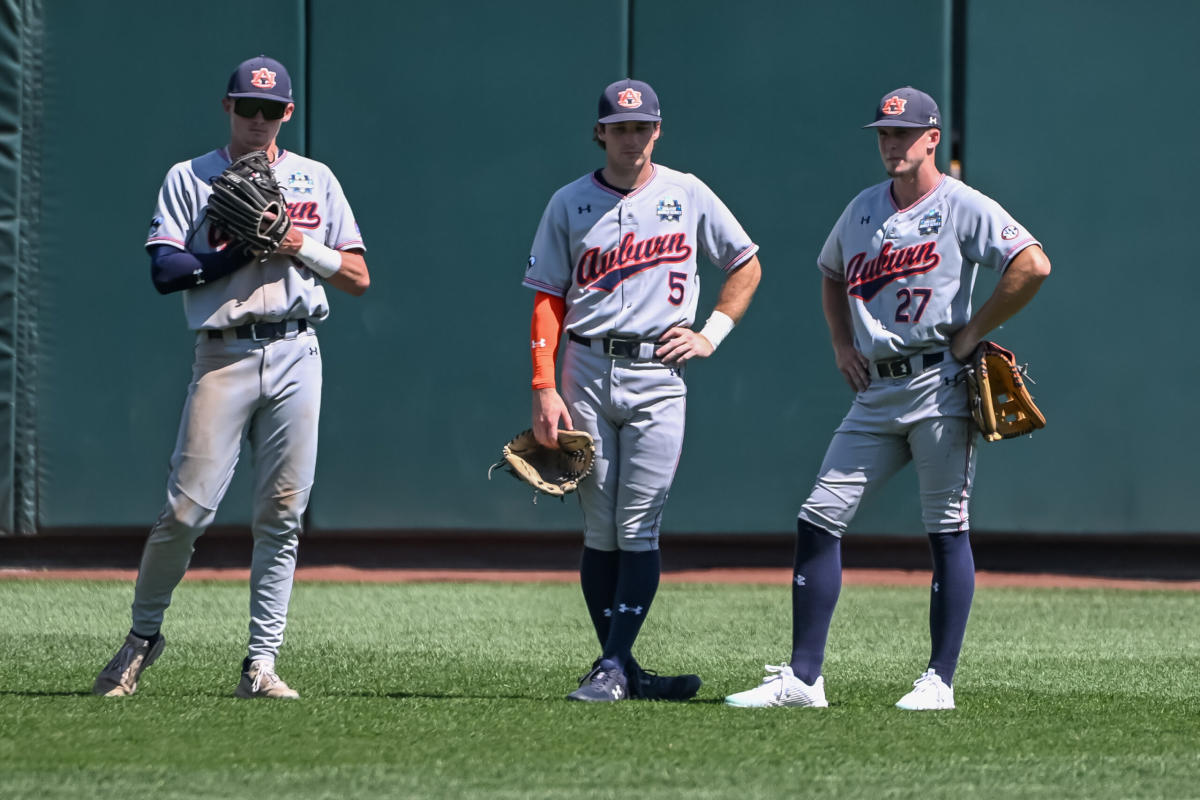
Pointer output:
x,y
120,677
261,681
781,687
929,693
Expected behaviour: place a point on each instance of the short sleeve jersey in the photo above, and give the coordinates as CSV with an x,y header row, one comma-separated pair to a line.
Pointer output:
x,y
279,287
909,272
626,263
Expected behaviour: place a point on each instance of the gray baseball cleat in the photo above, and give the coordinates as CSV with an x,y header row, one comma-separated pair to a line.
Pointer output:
x,y
120,677
261,681
606,683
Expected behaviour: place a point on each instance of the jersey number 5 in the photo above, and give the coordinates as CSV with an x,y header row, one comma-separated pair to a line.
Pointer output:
x,y
905,296
677,282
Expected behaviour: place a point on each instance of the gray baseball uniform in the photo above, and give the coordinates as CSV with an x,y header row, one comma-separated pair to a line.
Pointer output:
x,y
257,374
909,274
626,266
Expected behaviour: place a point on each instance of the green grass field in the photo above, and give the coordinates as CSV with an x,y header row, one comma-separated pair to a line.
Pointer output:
x,y
452,690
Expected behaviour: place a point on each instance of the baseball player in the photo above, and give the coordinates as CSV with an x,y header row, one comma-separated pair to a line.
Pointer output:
x,y
614,264
257,372
897,273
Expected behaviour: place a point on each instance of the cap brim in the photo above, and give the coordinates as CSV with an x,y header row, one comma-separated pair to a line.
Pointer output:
x,y
260,95
630,116
899,123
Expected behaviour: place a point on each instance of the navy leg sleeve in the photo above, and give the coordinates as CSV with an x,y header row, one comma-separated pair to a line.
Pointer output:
x,y
816,584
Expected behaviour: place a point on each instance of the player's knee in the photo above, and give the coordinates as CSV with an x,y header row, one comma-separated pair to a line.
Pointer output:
x,y
945,522
948,538
808,529
638,544
281,515
812,521
600,540
185,511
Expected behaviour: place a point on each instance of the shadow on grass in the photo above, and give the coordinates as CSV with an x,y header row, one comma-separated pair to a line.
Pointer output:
x,y
450,696
445,696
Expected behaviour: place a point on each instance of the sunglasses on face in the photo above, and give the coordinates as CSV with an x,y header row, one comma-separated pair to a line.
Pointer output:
x,y
249,106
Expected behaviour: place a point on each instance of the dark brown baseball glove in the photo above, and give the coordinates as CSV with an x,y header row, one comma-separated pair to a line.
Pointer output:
x,y
248,206
554,472
1000,403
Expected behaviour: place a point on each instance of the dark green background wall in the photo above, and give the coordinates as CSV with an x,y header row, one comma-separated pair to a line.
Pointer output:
x,y
450,125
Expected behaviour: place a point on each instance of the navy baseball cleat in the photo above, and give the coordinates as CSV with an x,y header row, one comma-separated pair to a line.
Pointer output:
x,y
606,683
645,684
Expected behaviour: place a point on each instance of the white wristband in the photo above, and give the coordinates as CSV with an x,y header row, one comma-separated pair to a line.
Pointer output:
x,y
716,328
325,261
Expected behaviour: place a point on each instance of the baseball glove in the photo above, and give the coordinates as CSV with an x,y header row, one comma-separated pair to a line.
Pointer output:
x,y
554,472
1000,403
242,197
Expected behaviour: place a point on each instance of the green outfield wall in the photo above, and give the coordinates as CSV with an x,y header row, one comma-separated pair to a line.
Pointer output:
x,y
450,125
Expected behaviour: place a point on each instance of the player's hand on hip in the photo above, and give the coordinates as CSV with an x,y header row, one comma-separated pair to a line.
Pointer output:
x,y
681,344
550,415
854,366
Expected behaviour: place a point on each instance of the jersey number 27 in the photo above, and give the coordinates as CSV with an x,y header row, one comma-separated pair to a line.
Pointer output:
x,y
905,296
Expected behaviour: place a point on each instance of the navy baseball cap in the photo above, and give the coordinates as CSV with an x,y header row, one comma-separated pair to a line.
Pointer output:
x,y
261,77
629,100
906,108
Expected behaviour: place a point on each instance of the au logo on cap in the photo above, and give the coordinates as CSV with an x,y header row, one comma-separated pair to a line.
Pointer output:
x,y
629,98
894,105
262,78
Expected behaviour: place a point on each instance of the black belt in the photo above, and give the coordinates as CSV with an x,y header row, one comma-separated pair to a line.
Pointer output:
x,y
263,331
903,367
614,348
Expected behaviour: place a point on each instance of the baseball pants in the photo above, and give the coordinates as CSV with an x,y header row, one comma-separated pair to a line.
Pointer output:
x,y
923,419
269,393
635,411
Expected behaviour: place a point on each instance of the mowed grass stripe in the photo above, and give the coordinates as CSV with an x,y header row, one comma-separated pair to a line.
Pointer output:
x,y
450,690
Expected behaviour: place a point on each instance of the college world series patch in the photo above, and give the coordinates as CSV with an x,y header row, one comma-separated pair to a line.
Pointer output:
x,y
300,183
930,223
669,209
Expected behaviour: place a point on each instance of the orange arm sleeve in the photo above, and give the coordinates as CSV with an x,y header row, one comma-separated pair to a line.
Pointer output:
x,y
545,331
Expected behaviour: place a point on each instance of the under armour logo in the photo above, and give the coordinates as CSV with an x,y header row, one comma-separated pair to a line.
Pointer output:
x,y
587,208
199,275
617,692
312,351
624,609
800,580
935,586
864,220
536,343
608,612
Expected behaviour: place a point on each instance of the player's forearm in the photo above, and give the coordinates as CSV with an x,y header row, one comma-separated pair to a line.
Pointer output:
x,y
836,307
545,333
352,277
173,270
1013,292
738,290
